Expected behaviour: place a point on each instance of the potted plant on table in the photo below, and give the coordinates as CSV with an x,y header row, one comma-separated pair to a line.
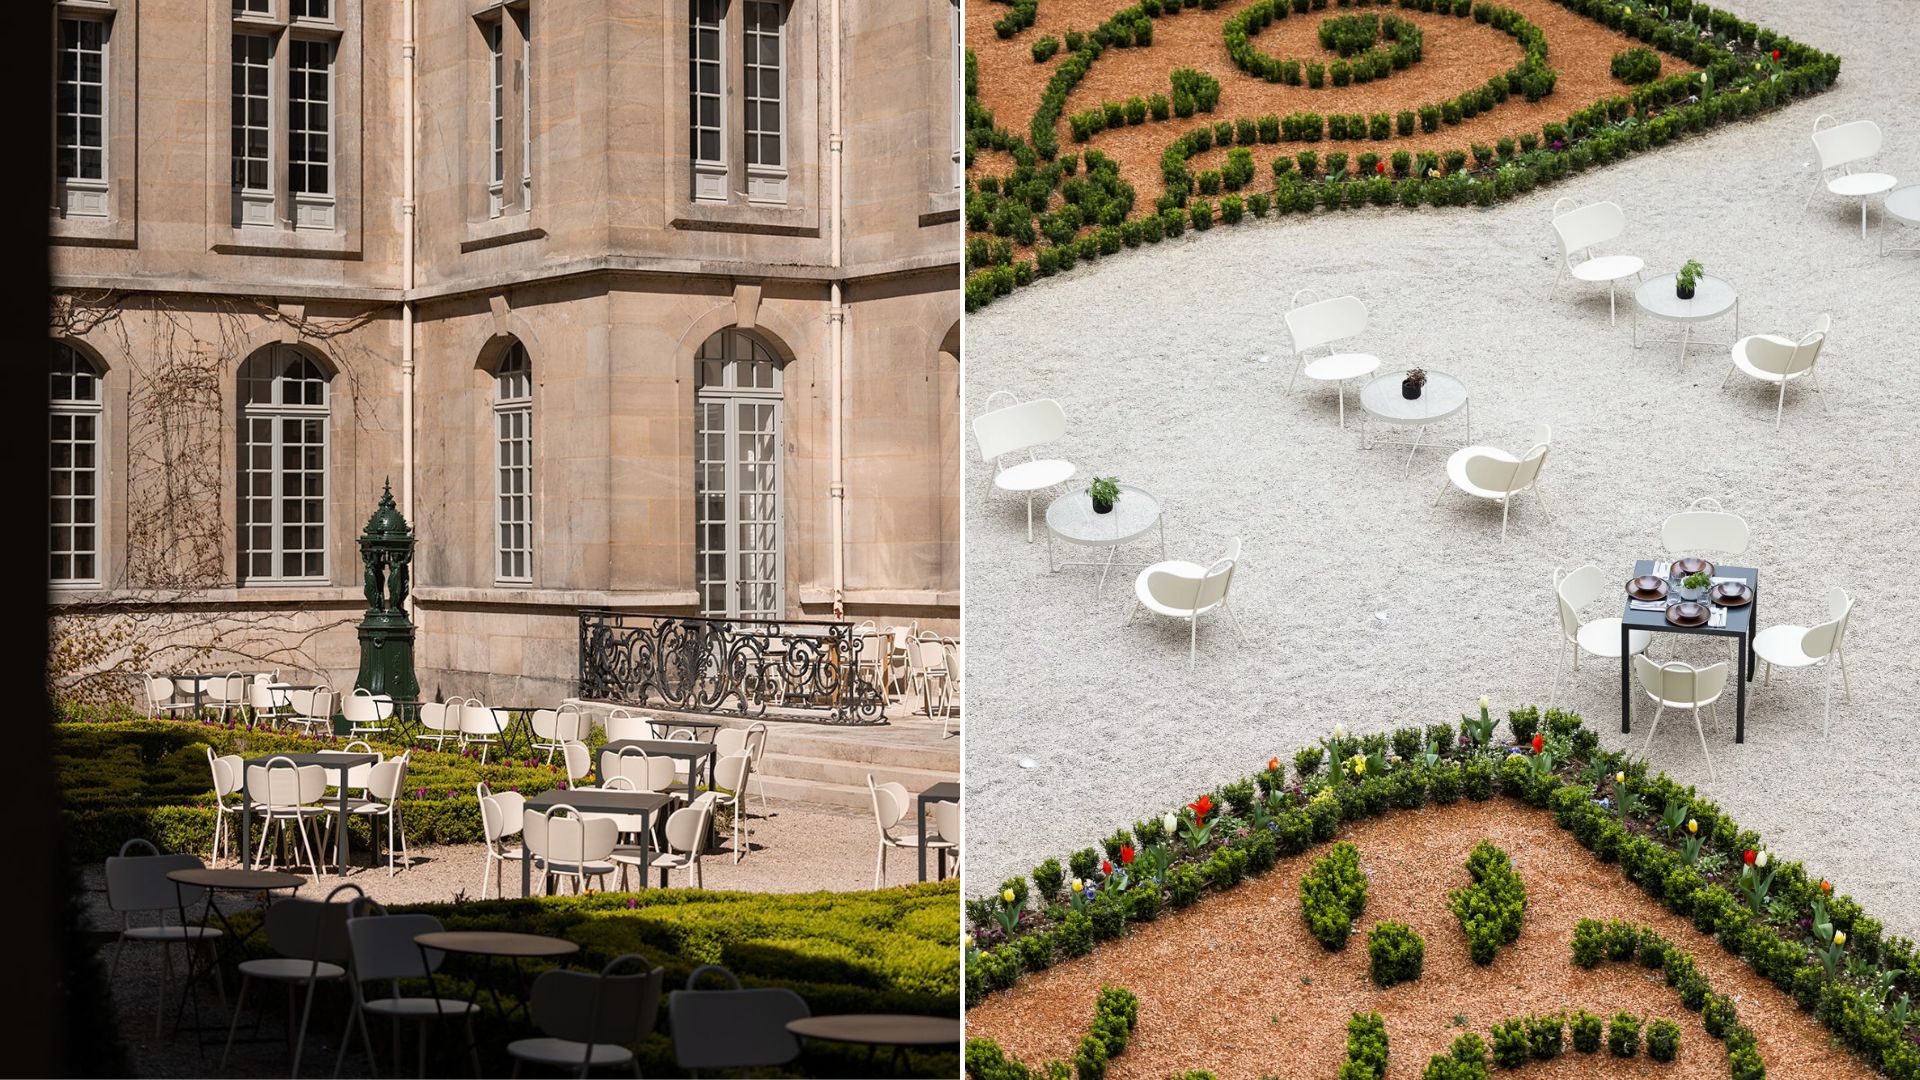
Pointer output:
x,y
1687,278
1694,586
1105,491
1411,386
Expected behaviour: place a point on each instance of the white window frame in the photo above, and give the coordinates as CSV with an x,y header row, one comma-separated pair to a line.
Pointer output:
x,y
276,413
74,410
82,196
513,429
525,16
766,181
737,350
496,32
313,209
710,180
258,9
253,204
958,30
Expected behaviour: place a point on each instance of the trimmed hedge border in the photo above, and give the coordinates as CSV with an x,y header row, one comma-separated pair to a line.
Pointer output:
x,y
1623,942
1115,1014
1264,817
1748,71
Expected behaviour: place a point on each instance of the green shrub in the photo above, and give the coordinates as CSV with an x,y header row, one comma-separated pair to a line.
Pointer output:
x,y
1366,1047
1623,938
1044,49
1396,954
1306,762
1545,1035
1201,215
1049,879
1623,1035
1511,1046
1136,110
1333,893
1636,66
1663,1040
1403,122
1159,107
1490,910
1586,1029
1232,208
1476,777
1589,943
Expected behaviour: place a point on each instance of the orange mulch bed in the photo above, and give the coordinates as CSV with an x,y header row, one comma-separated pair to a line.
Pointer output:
x,y
1459,54
1237,985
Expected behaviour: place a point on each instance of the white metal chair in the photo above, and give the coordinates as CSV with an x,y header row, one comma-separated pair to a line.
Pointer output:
x,y
1843,146
946,822
138,884
1703,526
261,706
1801,646
1600,637
1675,684
365,713
312,709
227,694
288,793
1319,324
686,834
310,937
439,721
623,726
1779,359
385,782
226,785
566,844
733,1028
382,950
953,680
1579,231
578,762
1022,427
479,724
871,649
552,727
501,816
159,694
591,1021
932,654
1488,472
1188,590
729,789
890,803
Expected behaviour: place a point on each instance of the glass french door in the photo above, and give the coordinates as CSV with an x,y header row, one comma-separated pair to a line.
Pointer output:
x,y
739,550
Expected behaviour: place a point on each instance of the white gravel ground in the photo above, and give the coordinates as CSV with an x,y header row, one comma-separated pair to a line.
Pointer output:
x,y
1153,353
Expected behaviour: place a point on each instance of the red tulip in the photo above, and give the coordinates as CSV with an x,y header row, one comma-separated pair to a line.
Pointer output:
x,y
1273,764
1776,54
1126,854
1379,166
1747,856
1826,886
1201,807
1539,743
1106,867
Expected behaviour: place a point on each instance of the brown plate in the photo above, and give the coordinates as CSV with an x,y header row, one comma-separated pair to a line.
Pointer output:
x,y
1647,587
1687,613
1730,594
1683,567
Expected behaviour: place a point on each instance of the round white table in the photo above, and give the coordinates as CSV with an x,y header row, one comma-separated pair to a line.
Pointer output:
x,y
1442,398
1071,519
1902,206
1713,298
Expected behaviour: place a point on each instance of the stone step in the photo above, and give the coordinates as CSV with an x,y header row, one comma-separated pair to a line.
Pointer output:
x,y
821,793
849,773
871,751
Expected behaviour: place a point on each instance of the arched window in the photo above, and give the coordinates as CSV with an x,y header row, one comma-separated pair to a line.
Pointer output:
x,y
513,465
283,467
74,484
738,546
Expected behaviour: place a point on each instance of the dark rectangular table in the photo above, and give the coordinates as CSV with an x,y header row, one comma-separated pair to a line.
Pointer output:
x,y
341,763
594,801
1740,623
692,752
947,792
659,724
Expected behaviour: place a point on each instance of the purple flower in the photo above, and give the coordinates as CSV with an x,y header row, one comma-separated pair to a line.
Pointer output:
x,y
632,903
562,785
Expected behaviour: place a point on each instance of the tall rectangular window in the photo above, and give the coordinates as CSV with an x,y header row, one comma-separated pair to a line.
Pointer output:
x,y
513,465
253,128
253,7
74,417
312,9
705,105
310,132
283,467
496,116
526,109
82,105
763,62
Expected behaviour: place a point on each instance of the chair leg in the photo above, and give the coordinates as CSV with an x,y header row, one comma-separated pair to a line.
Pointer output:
x,y
1781,406
1506,507
1704,752
1235,619
1728,375
1612,319
1559,661
238,1004
1826,715
880,868
1193,640
1541,499
1846,681
1766,679
1653,727
1029,518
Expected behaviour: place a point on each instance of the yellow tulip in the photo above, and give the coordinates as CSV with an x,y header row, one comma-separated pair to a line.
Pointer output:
x,y
1693,826
1619,778
1078,885
1007,896
1359,764
1839,937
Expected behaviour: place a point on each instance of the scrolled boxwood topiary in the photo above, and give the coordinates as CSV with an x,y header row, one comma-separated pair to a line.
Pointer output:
x,y
1663,1040
1333,893
1396,954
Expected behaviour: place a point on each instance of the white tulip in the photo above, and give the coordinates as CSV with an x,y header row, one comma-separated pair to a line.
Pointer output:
x,y
1339,731
1483,701
1760,860
1171,822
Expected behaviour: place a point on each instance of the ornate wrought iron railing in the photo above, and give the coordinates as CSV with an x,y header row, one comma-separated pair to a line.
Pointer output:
x,y
699,664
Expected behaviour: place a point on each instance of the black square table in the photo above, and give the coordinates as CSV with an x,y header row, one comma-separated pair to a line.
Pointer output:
x,y
689,750
946,792
1740,622
594,801
341,763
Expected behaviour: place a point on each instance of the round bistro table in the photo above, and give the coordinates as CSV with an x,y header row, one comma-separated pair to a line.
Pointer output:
x,y
510,946
1903,206
874,1030
1713,298
1071,520
1442,398
214,881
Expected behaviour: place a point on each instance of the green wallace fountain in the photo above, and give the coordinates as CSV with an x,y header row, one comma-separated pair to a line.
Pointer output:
x,y
386,634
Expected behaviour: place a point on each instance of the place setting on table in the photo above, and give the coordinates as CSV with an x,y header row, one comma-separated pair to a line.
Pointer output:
x,y
1690,596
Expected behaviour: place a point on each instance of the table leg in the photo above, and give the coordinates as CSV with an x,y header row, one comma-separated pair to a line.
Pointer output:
x,y
1740,710
1051,568
921,825
1626,675
526,869
1419,430
646,845
340,846
246,824
1686,332
1100,587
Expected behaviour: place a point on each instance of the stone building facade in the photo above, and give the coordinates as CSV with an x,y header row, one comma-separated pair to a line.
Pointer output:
x,y
601,373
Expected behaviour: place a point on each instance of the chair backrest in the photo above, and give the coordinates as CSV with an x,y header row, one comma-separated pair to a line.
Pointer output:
x,y
1325,322
226,773
140,882
1679,683
383,947
477,719
1844,144
1574,591
1500,471
301,701
385,779
729,741
756,743
622,725
1594,223
281,785
358,707
1690,532
544,722
433,716
932,654
733,1028
1829,636
687,827
889,804
502,813
259,697
311,929
953,662
235,689
159,691
1777,358
570,724
872,647
587,1008
321,705
637,767
562,835
731,771
1019,427
579,761
1218,577
946,820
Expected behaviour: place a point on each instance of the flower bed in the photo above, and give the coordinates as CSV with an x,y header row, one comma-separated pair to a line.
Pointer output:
x,y
1724,69
1684,852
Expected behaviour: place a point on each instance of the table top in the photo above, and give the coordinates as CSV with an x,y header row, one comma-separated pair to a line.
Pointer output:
x,y
698,725
333,760
941,792
1071,516
880,1029
1905,204
600,800
245,880
1712,298
1739,619
677,748
497,943
1441,397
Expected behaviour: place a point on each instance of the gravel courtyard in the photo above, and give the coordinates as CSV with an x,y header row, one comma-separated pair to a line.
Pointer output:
x,y
1365,604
